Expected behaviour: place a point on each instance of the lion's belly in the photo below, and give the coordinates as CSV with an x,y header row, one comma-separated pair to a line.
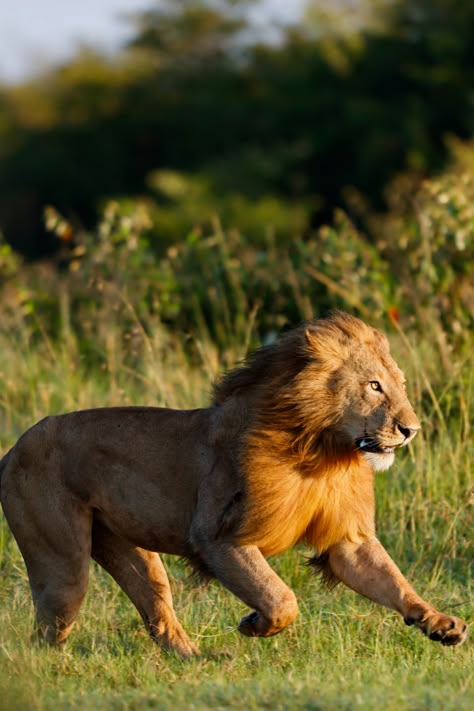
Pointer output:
x,y
159,534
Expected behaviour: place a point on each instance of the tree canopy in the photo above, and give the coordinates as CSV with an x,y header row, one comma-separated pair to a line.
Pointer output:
x,y
198,92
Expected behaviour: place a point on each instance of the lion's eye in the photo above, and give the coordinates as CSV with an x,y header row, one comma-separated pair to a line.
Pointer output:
x,y
375,385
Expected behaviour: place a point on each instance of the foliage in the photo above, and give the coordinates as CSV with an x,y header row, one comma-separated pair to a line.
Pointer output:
x,y
210,281
427,236
230,284
199,92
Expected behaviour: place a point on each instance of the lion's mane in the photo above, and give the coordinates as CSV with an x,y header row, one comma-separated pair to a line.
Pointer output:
x,y
303,480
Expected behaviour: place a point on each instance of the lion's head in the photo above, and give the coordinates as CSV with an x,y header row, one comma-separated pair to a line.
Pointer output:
x,y
364,384
332,386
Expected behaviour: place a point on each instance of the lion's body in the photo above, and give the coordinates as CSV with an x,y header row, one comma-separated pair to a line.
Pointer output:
x,y
286,453
137,469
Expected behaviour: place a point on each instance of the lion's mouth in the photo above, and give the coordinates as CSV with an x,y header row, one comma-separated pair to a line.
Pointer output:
x,y
370,445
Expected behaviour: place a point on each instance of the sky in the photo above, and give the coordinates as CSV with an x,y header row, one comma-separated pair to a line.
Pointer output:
x,y
35,33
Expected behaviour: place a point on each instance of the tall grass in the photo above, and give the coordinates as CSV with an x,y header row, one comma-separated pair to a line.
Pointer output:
x,y
342,652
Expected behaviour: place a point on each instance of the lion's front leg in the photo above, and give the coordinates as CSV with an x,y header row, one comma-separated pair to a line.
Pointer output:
x,y
368,569
246,573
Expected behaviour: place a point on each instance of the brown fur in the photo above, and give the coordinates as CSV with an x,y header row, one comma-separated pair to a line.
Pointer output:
x,y
286,453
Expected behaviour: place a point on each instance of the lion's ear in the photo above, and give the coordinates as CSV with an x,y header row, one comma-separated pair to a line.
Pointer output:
x,y
316,344
381,339
326,345
311,338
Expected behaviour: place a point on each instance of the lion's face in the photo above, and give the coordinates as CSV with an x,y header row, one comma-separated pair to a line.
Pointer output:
x,y
378,416
362,388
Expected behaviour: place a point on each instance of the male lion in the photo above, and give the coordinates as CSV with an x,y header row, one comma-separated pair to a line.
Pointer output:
x,y
286,453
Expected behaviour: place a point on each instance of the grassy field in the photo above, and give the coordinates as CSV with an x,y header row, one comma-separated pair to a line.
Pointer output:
x,y
342,652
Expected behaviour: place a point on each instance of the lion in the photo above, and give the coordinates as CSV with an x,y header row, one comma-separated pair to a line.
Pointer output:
x,y
285,453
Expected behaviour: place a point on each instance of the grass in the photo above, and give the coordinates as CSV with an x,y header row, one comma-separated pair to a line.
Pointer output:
x,y
342,652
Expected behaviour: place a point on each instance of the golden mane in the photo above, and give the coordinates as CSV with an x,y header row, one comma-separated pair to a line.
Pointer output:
x,y
302,477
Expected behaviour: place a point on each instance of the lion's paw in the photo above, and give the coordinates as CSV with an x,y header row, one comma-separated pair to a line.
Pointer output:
x,y
448,630
186,650
256,625
174,639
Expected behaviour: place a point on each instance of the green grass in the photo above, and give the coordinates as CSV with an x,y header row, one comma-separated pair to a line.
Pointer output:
x,y
342,652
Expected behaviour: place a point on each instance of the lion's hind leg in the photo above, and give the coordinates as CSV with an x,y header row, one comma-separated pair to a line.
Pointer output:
x,y
142,576
52,528
56,608
57,560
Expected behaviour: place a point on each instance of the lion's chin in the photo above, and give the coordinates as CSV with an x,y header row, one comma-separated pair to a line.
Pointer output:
x,y
380,462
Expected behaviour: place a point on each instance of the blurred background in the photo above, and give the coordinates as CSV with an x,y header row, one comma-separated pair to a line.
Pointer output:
x,y
230,157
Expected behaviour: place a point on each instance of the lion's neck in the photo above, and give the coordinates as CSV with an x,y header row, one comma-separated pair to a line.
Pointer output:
x,y
288,501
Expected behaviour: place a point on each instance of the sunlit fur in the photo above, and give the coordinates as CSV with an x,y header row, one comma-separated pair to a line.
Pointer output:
x,y
305,477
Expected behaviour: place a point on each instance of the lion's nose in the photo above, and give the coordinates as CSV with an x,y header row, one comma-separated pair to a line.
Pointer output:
x,y
408,432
